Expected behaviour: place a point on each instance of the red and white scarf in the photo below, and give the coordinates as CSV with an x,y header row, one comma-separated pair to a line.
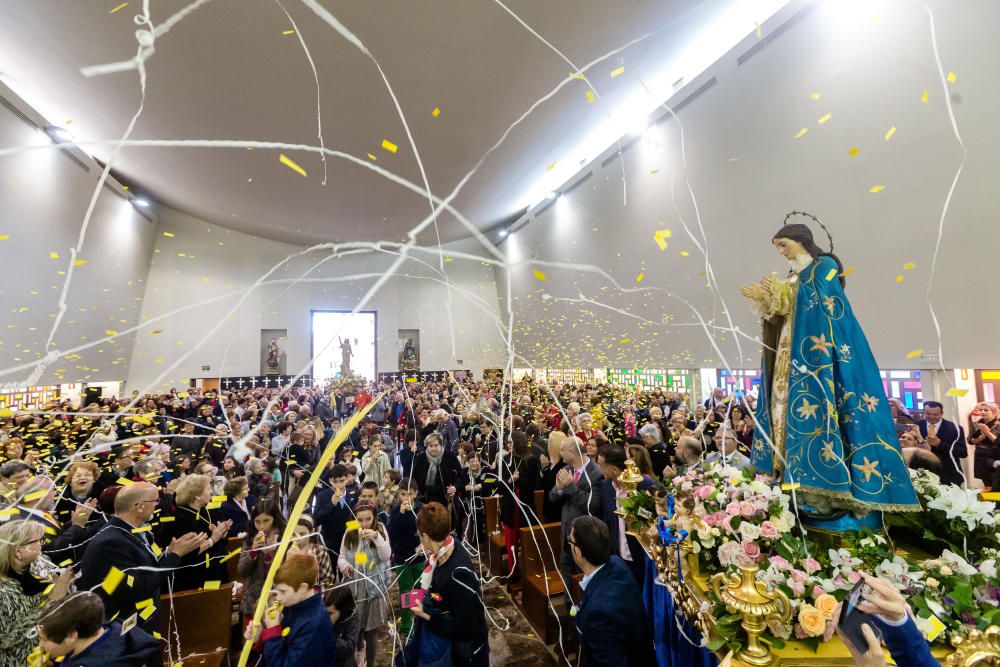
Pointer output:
x,y
443,552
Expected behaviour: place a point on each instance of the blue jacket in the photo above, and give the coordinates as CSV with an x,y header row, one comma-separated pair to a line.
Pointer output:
x,y
906,644
133,649
614,628
331,520
403,536
310,639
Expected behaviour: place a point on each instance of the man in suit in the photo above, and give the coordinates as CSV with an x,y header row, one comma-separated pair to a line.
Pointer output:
x,y
946,440
577,492
611,618
119,545
611,460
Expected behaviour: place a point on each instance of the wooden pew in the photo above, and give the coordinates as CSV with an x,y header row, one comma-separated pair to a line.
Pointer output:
x,y
495,549
541,547
540,504
233,544
200,621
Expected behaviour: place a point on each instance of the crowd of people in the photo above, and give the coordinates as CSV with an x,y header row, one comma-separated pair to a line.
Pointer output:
x,y
105,508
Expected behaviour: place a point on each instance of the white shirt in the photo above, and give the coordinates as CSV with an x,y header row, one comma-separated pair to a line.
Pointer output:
x,y
586,579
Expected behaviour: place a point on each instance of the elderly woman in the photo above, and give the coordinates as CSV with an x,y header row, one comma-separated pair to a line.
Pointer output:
x,y
191,514
23,580
237,507
81,486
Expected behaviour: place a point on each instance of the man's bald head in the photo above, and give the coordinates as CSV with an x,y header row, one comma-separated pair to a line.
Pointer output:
x,y
132,494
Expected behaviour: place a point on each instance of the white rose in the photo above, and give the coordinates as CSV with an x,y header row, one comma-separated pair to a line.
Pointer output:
x,y
749,531
945,570
989,568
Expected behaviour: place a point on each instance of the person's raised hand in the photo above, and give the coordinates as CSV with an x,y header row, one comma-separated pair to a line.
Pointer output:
x,y
221,529
563,479
870,655
252,631
259,540
185,544
883,599
62,584
81,515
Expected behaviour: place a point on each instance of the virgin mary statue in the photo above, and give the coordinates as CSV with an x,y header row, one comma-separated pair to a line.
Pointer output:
x,y
823,419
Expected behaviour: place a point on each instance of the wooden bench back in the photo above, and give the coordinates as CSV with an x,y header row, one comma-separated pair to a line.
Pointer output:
x,y
541,548
492,506
201,619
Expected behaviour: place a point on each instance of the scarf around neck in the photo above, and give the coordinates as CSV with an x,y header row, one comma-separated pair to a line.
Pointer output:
x,y
443,552
433,469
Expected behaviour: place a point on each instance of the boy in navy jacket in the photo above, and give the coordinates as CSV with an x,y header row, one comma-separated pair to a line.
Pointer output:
x,y
300,632
404,540
74,630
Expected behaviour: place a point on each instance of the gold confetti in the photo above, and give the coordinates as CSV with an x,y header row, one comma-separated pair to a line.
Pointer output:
x,y
684,253
110,332
389,146
538,274
288,32
924,97
639,277
814,96
617,72
661,236
53,255
952,78
801,133
854,151
909,265
591,97
79,262
111,581
436,112
169,235
212,585
148,602
892,131
825,118
899,278
290,163
876,188
361,558
4,237
352,525
914,353
372,158
790,486
551,166
121,6
449,259
831,275
957,393
848,271
623,341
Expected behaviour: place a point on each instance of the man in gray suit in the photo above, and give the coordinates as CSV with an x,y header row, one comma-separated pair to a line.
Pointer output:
x,y
578,490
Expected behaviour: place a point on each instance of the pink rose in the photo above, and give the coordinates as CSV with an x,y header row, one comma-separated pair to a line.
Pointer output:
x,y
710,519
799,632
747,509
703,491
726,523
799,576
751,549
686,486
817,591
780,563
768,531
811,564
798,589
733,508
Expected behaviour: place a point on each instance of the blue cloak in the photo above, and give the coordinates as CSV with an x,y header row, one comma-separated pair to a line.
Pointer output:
x,y
836,432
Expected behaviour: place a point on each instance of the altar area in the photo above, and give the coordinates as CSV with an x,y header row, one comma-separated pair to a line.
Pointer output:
x,y
732,579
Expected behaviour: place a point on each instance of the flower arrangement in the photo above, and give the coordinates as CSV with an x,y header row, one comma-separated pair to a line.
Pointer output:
x,y
953,517
745,519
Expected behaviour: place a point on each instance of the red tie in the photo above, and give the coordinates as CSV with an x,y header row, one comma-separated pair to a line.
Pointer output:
x,y
576,477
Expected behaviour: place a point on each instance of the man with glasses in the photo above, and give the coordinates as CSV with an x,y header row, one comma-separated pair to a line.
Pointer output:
x,y
125,545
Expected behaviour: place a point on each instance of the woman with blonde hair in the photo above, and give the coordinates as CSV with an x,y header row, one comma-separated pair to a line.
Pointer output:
x,y
22,589
192,514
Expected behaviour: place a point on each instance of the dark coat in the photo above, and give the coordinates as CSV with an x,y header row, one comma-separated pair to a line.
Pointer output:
x,y
195,573
310,639
450,475
331,520
117,546
952,443
135,648
583,497
403,538
458,613
612,620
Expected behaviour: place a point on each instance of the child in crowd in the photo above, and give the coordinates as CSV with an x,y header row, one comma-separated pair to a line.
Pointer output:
x,y
369,496
375,462
407,561
307,540
364,561
257,555
331,509
298,631
74,631
390,487
343,614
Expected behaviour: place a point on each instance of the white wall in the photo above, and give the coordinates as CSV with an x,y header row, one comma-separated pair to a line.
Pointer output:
x,y
43,199
218,262
870,63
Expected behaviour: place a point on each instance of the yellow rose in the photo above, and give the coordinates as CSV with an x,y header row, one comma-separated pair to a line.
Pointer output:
x,y
812,620
826,603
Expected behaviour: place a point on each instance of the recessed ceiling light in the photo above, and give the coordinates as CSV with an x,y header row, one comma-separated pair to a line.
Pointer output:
x,y
141,202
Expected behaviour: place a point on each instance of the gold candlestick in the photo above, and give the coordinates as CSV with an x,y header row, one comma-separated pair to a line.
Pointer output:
x,y
630,477
744,595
